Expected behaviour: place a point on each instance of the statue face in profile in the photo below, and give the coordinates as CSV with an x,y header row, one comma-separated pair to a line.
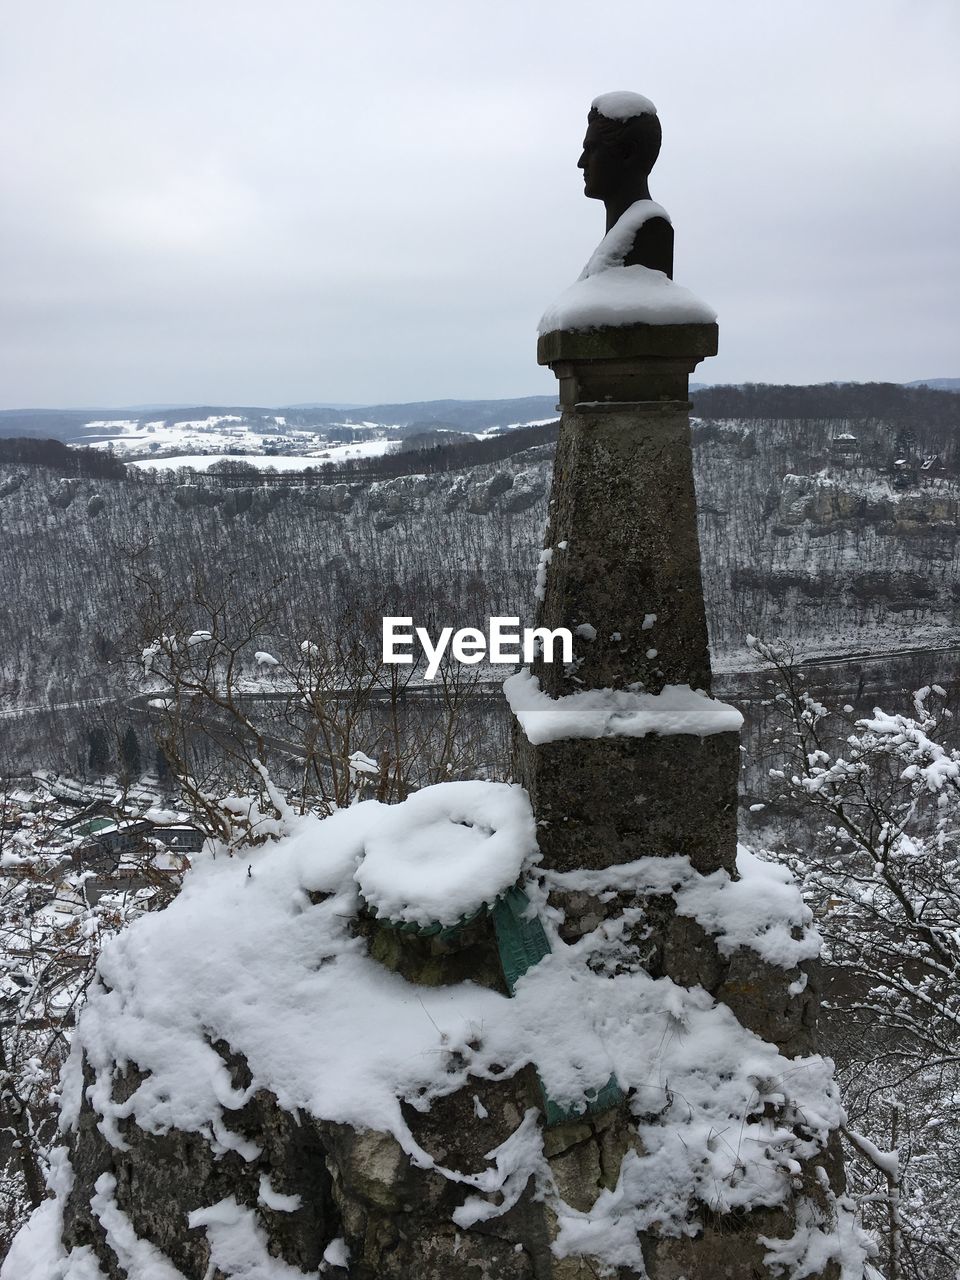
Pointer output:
x,y
617,157
601,162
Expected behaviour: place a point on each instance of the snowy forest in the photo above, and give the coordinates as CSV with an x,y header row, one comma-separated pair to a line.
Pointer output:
x,y
198,653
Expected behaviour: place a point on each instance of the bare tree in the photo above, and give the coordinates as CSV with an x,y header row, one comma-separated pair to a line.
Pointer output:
x,y
880,864
257,724
51,933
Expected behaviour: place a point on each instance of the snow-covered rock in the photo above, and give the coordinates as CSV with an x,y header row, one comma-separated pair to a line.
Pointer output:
x,y
249,1088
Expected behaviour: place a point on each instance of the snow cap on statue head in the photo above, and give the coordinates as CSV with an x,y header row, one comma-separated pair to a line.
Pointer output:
x,y
622,105
627,123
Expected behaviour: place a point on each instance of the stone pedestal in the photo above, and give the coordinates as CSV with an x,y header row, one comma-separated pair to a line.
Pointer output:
x,y
603,802
622,534
623,574
625,559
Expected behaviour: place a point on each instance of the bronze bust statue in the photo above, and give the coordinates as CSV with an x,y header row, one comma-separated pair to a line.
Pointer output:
x,y
620,148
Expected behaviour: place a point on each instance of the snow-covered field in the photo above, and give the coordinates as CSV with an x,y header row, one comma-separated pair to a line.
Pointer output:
x,y
222,431
274,462
513,426
220,435
223,434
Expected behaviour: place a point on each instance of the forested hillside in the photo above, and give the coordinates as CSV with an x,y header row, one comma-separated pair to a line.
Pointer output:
x,y
839,532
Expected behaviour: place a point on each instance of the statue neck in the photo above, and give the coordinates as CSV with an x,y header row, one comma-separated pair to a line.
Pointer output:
x,y
618,205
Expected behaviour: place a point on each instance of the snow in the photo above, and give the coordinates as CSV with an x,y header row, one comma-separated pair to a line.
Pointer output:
x,y
238,1244
607,713
489,432
761,910
336,1253
137,1257
817,1242
887,1161
242,954
622,296
275,1200
359,762
621,104
217,431
515,1162
447,850
35,1253
274,461
608,293
540,583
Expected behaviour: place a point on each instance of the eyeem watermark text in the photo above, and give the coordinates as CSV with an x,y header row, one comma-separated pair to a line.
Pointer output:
x,y
502,642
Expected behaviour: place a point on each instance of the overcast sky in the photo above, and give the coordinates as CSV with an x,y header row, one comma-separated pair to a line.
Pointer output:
x,y
229,201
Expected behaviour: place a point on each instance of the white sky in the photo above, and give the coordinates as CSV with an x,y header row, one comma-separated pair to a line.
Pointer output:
x,y
238,202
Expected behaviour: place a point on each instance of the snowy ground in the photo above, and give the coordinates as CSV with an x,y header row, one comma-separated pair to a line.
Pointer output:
x,y
514,426
132,436
277,462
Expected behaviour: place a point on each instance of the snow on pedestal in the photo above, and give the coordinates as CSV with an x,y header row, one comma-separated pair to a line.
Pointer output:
x,y
622,296
611,713
446,852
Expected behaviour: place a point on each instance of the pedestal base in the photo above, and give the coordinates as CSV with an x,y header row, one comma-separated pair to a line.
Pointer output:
x,y
606,801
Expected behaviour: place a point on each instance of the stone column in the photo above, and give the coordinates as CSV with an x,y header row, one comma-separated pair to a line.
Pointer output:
x,y
622,572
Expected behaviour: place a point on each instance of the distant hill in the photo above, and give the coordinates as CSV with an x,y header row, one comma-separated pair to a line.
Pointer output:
x,y
896,403
321,404
937,384
472,415
69,425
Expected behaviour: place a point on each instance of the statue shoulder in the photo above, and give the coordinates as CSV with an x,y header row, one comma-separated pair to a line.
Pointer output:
x,y
642,236
652,246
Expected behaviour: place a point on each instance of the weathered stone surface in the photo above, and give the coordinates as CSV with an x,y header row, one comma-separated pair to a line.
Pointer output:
x,y
607,801
161,1178
759,995
402,495
359,1184
623,534
626,363
458,1133
434,961
329,497
528,488
728,1248
624,565
585,1156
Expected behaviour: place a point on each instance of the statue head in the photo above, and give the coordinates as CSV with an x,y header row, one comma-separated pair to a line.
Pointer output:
x,y
620,148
